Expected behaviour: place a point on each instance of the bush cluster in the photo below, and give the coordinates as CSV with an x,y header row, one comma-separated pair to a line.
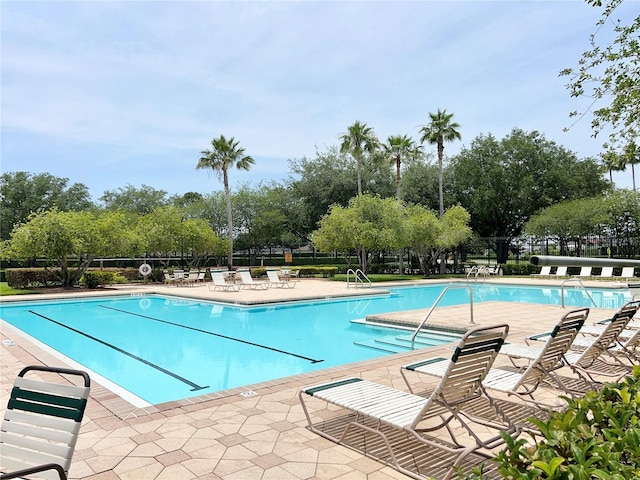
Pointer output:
x,y
597,436
21,278
519,269
305,271
97,278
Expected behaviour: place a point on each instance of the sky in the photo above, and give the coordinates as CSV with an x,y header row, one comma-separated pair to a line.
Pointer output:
x,y
110,94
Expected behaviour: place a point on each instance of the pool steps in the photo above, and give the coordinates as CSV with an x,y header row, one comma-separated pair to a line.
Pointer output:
x,y
401,343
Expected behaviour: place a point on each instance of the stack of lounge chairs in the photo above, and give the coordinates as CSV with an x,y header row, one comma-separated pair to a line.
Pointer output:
x,y
467,398
606,273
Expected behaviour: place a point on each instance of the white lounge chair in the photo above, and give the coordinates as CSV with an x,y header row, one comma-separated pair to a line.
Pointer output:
x,y
191,278
627,273
275,281
584,358
606,272
545,271
560,272
585,272
248,281
41,424
521,384
219,283
384,411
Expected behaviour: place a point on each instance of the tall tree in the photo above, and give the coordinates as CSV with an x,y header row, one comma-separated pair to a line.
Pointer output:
x,y
631,156
225,154
141,200
359,139
420,183
320,182
440,129
607,74
398,148
502,183
367,226
612,162
71,240
22,193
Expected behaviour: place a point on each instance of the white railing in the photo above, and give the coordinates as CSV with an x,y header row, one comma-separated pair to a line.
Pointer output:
x,y
453,287
359,278
581,286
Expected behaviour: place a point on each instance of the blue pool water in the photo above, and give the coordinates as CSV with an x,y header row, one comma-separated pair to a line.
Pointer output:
x,y
166,348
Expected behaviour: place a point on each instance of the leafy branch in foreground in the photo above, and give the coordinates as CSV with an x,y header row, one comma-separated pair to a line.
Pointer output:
x,y
597,436
610,73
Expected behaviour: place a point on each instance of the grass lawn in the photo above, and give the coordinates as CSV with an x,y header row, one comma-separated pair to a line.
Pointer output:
x,y
379,277
7,290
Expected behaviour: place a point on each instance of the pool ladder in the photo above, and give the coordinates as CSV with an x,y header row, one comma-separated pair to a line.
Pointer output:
x,y
403,343
451,287
581,286
359,278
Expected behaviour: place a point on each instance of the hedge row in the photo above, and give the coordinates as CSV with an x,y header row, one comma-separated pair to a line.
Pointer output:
x,y
21,278
305,271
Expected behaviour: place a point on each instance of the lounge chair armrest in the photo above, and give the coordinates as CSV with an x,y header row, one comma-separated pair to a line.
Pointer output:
x,y
37,469
603,322
537,337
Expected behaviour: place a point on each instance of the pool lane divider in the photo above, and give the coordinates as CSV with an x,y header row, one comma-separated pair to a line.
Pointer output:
x,y
312,360
194,386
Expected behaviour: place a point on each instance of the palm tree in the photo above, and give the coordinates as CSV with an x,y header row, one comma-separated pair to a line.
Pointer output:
x,y
441,129
632,157
611,162
358,139
225,153
397,148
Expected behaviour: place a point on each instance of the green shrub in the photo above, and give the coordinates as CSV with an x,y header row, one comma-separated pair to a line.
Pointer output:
x,y
597,436
96,278
305,271
33,277
519,269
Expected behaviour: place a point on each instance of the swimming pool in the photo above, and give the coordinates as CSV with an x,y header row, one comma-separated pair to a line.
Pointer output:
x,y
165,348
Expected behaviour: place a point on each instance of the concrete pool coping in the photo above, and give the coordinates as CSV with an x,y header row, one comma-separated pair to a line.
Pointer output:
x,y
257,431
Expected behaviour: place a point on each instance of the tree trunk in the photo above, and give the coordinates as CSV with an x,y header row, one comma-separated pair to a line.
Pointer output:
x,y
502,250
227,194
398,178
359,170
443,260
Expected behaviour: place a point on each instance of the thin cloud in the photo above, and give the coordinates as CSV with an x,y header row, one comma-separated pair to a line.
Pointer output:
x,y
110,93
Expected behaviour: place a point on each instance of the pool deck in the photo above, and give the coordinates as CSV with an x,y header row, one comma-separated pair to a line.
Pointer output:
x,y
258,431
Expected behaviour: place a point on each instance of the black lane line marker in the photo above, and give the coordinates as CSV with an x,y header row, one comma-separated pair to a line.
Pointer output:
x,y
312,360
194,386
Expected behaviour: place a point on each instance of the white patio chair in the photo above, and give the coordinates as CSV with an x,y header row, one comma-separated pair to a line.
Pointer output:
x,y
382,411
41,424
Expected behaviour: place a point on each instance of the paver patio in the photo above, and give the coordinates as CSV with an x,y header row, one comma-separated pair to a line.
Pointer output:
x,y
258,431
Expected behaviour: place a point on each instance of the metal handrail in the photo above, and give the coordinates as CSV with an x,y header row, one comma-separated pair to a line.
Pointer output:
x,y
583,288
358,276
478,270
446,289
472,271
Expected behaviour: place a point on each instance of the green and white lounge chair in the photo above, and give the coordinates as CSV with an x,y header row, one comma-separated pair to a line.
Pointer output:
x,y
585,358
41,423
385,412
521,384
